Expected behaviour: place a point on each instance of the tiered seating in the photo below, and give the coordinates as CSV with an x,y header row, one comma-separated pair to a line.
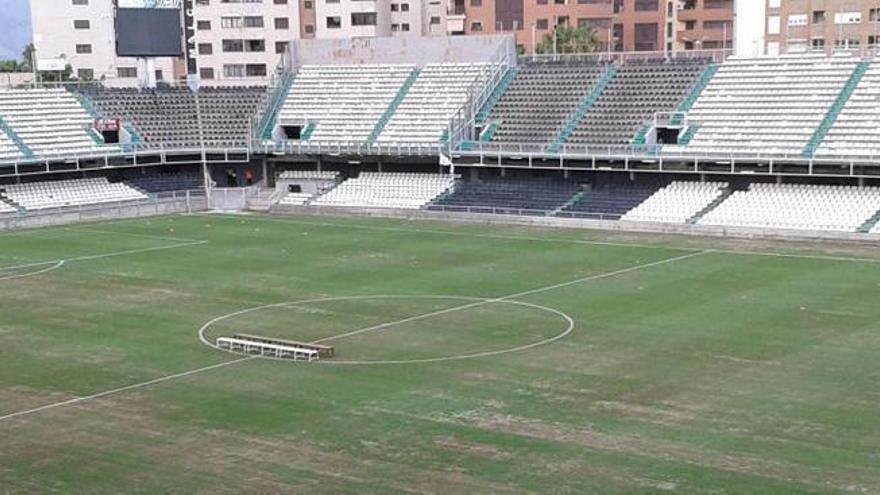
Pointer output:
x,y
75,192
637,91
5,208
539,195
308,175
768,105
797,206
346,101
388,190
677,203
8,149
539,100
426,110
611,201
51,122
856,132
156,181
170,118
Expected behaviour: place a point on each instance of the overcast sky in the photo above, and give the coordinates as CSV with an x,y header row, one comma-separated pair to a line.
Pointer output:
x,y
15,27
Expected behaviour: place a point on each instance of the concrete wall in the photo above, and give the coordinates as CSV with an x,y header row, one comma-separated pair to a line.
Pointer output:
x,y
393,50
66,217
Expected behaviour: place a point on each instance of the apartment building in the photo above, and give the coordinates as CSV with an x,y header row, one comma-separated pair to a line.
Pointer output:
x,y
240,40
621,25
80,33
821,25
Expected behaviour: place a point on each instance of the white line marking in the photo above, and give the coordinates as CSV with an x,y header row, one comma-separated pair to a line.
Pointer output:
x,y
99,395
555,240
514,296
61,262
57,264
568,319
248,358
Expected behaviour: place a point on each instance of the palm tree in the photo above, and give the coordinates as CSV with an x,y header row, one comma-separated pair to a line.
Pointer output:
x,y
569,40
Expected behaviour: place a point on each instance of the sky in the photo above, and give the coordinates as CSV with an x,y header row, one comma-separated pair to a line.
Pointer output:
x,y
15,27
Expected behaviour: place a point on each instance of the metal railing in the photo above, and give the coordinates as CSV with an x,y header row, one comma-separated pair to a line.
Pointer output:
x,y
153,199
520,212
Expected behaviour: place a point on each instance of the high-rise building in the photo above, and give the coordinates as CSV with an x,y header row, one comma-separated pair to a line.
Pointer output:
x,y
821,25
620,25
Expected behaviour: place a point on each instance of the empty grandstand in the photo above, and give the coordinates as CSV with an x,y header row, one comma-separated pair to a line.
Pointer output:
x,y
65,193
500,195
767,105
610,201
178,118
633,96
342,103
539,99
47,123
678,202
856,129
387,190
797,206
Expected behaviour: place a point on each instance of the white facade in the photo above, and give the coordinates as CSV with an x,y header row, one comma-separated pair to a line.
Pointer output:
x,y
749,19
80,33
379,18
243,41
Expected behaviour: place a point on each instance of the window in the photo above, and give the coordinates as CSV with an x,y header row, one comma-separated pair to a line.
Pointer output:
x,y
308,5
206,73
84,48
203,25
233,70
690,25
363,19
206,49
847,18
81,24
773,24
541,24
309,29
562,20
874,15
334,22
253,21
404,7
85,74
231,22
80,2
476,3
434,20
159,75
255,46
646,37
404,27
203,3
476,27
774,4
542,2
255,70
795,20
280,2
818,16
647,6
282,23
395,7
818,43
233,46
127,72
722,25
281,46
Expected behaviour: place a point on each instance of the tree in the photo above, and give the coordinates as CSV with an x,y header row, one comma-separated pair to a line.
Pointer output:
x,y
8,66
569,40
27,58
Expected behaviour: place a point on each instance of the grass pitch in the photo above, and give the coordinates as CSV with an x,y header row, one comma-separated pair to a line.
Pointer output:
x,y
690,368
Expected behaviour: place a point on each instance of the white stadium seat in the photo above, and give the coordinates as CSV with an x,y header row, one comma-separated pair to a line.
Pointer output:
x,y
388,190
63,193
677,203
797,206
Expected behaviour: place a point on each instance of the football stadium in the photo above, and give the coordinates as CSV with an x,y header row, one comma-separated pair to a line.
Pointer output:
x,y
438,265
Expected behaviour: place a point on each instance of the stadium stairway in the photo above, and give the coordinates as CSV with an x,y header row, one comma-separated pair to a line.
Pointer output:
x,y
583,108
276,101
392,107
694,94
870,224
499,90
830,117
728,192
262,201
14,137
